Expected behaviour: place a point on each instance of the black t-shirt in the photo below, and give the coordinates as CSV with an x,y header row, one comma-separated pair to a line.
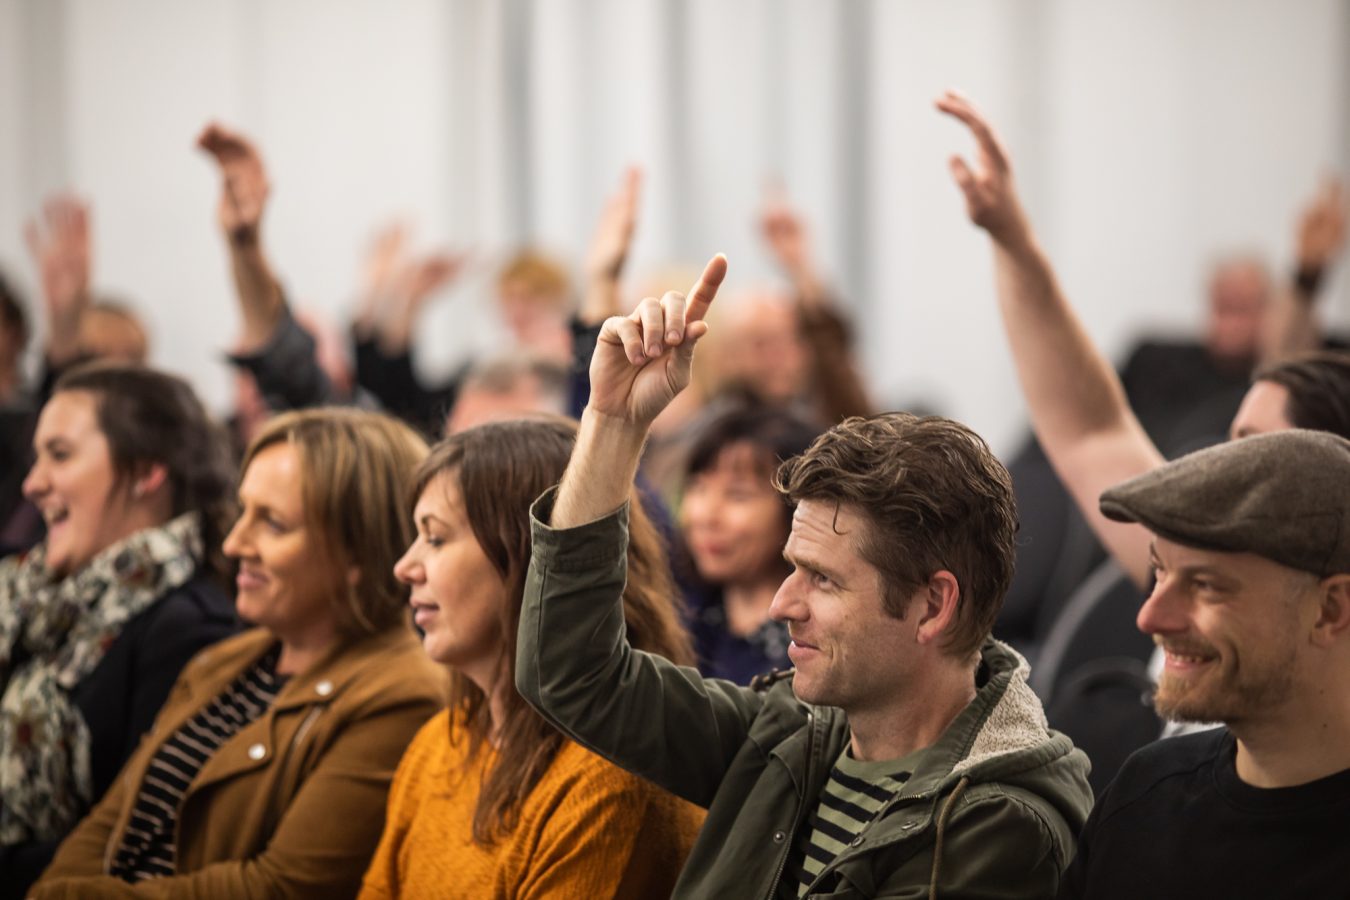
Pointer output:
x,y
1178,822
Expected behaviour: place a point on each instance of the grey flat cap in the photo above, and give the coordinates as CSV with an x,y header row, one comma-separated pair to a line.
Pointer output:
x,y
1284,496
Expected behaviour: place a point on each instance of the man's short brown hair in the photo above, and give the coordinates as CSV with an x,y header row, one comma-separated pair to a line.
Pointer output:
x,y
935,497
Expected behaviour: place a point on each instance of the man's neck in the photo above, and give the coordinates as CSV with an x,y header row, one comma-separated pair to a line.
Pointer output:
x,y
915,720
1296,745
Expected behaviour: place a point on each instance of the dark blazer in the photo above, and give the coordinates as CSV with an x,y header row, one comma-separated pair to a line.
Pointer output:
x,y
121,697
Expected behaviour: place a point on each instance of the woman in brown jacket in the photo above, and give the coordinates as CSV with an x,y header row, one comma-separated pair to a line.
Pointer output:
x,y
266,772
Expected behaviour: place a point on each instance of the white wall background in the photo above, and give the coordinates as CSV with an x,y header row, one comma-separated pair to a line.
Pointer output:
x,y
1148,136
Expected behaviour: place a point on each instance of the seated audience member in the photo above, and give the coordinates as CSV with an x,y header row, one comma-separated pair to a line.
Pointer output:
x,y
97,620
794,349
734,525
532,300
20,526
506,387
14,335
1076,402
1251,555
267,771
80,326
905,754
280,353
490,800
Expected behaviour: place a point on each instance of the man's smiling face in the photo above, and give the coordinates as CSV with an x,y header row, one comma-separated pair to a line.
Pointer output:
x,y
1232,626
848,651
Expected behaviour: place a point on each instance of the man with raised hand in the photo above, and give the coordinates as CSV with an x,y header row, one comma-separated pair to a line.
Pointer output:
x,y
1250,547
904,756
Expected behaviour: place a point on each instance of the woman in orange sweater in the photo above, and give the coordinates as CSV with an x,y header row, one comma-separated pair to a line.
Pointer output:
x,y
490,800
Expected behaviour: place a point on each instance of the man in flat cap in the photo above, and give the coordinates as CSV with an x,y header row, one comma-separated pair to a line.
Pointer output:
x,y
1251,604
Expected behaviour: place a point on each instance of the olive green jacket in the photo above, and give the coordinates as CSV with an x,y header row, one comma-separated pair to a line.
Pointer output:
x,y
991,810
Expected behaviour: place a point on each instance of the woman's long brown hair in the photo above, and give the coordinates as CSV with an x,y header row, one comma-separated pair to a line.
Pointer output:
x,y
501,469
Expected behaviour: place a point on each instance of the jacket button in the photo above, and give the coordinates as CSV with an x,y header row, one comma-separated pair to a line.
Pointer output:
x,y
324,688
257,751
779,837
856,842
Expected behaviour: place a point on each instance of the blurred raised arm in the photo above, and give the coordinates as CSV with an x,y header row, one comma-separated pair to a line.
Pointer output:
x,y
1292,326
1078,407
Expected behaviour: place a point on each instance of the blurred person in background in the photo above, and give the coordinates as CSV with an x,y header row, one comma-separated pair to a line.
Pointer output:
x,y
734,525
97,621
266,773
490,799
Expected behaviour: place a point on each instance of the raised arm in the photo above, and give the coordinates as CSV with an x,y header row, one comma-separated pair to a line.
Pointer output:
x,y
243,199
1291,326
641,362
573,663
1077,405
839,384
608,253
60,246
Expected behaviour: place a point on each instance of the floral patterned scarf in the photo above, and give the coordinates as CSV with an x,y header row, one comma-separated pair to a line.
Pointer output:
x,y
60,631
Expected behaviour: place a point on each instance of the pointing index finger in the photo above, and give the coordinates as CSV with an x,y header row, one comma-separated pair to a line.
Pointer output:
x,y
702,294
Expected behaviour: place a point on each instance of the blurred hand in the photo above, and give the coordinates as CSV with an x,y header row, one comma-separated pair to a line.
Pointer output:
x,y
244,190
613,236
991,200
785,232
424,276
60,247
384,261
1321,227
644,359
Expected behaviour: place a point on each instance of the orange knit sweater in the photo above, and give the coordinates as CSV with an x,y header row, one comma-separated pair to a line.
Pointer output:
x,y
588,829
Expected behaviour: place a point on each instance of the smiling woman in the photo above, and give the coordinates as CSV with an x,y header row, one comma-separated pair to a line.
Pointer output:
x,y
267,770
490,799
98,620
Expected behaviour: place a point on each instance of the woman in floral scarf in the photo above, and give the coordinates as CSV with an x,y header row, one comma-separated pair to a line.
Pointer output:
x,y
133,483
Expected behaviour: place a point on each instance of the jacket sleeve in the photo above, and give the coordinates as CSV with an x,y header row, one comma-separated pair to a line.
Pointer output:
x,y
287,368
348,785
658,720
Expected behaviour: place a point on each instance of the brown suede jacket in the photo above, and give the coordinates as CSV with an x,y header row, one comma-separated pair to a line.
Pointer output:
x,y
292,805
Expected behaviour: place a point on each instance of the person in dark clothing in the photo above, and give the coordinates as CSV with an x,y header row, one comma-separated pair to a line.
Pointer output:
x,y
95,622
734,525
1251,604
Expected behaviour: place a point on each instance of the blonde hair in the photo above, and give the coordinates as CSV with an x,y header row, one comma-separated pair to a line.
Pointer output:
x,y
358,469
540,275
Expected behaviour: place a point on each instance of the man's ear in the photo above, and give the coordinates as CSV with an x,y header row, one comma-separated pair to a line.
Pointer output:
x,y
1333,611
936,606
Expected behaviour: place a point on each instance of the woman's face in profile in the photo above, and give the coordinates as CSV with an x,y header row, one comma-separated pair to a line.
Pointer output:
x,y
284,583
457,594
733,520
73,483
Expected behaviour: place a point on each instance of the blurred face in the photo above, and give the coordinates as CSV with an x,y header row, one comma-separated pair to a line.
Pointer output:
x,y
457,595
284,583
733,519
109,334
1237,304
770,354
73,485
477,405
1264,409
537,320
847,650
1232,625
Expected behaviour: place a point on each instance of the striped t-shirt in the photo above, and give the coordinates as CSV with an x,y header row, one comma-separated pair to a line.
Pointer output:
x,y
148,849
852,797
